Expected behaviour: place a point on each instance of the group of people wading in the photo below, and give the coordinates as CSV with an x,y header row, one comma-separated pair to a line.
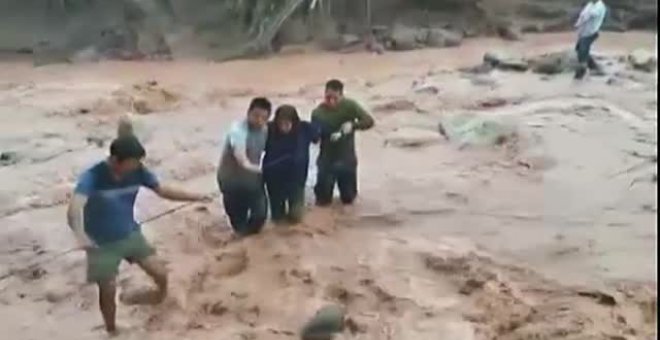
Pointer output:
x,y
264,163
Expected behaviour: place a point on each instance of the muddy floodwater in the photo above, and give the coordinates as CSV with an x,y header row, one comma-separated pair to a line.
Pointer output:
x,y
550,236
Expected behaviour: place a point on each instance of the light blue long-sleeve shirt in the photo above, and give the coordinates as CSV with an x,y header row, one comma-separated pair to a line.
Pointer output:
x,y
591,19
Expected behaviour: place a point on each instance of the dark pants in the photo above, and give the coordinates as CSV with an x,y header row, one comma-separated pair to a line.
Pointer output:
x,y
345,176
287,200
583,49
246,207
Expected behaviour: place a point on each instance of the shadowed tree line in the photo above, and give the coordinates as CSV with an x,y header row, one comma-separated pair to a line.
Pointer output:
x,y
238,28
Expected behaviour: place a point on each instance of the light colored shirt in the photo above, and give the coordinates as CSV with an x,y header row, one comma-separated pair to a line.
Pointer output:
x,y
241,137
591,19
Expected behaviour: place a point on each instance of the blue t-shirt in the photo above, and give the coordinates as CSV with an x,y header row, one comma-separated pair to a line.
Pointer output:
x,y
109,210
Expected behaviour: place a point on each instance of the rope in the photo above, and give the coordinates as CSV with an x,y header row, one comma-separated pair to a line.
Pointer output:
x,y
27,268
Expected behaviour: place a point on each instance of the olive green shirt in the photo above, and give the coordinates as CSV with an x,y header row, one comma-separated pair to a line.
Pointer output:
x,y
330,120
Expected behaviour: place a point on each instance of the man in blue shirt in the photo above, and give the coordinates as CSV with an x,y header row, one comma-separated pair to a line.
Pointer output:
x,y
101,217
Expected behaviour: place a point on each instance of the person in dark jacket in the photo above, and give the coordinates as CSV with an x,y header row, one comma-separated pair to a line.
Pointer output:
x,y
286,163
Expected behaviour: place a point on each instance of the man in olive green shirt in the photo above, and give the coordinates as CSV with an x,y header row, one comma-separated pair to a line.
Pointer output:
x,y
339,118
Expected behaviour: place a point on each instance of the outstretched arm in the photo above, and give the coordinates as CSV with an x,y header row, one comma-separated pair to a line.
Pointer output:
x,y
176,194
169,192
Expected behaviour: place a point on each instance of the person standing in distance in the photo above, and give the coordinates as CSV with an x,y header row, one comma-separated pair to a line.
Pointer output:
x,y
101,217
588,28
338,118
239,173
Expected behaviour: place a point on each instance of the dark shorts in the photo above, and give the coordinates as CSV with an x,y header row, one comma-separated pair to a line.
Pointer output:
x,y
103,262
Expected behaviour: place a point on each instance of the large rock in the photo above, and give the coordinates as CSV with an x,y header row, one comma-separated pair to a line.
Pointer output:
x,y
438,37
294,32
554,63
509,31
643,60
505,62
405,38
478,130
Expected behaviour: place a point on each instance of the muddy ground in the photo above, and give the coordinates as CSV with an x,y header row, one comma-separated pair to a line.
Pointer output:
x,y
545,237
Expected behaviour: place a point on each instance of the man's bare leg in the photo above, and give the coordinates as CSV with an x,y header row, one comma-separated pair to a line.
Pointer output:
x,y
156,270
108,304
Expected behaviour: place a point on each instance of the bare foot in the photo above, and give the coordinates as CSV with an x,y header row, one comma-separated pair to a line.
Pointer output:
x,y
142,297
112,332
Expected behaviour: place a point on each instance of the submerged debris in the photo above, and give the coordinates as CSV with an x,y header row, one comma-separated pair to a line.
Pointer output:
x,y
477,130
323,326
9,158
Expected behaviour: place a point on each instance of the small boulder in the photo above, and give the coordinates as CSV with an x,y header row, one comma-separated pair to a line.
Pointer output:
x,y
554,63
405,38
8,158
328,321
505,62
643,60
438,37
509,31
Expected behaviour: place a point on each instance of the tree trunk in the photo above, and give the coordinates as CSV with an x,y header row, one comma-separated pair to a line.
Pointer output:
x,y
265,28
